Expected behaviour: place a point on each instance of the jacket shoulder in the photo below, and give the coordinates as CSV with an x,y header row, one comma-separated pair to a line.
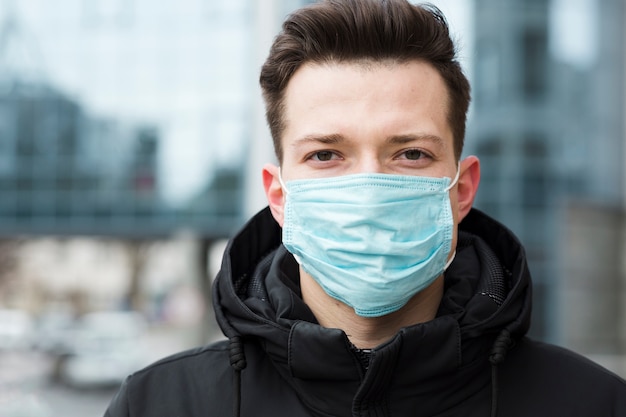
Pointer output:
x,y
190,383
213,352
545,379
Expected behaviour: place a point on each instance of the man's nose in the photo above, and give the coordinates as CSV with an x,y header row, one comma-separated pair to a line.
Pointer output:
x,y
370,164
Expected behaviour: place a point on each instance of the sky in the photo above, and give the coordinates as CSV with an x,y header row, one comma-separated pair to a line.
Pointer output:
x,y
574,32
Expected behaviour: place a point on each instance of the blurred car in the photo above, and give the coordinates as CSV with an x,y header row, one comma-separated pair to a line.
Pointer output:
x,y
24,405
106,347
54,332
16,330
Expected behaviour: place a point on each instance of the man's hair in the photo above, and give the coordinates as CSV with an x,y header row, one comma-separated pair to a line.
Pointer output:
x,y
348,31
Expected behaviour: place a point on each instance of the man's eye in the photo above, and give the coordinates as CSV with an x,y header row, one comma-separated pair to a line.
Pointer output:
x,y
323,155
414,154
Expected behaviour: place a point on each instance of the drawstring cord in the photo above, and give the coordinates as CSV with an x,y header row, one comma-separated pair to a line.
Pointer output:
x,y
238,362
500,347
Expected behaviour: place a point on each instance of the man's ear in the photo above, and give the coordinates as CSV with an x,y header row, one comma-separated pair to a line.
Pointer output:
x,y
274,192
469,177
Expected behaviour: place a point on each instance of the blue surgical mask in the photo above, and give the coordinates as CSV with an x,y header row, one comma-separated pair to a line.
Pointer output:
x,y
371,241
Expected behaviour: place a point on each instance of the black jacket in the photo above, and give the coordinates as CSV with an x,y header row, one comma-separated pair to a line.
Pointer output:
x,y
473,359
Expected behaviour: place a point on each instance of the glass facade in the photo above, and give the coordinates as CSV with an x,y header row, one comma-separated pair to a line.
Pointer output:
x,y
547,130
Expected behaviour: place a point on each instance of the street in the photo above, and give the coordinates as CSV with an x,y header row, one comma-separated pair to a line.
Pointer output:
x,y
26,390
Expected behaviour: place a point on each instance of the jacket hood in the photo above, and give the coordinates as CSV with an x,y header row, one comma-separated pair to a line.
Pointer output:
x,y
488,285
256,297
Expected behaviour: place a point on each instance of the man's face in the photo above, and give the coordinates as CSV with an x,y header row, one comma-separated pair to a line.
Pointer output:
x,y
349,118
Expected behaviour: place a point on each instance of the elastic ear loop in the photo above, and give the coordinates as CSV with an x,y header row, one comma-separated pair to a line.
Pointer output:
x,y
447,265
280,179
456,178
448,188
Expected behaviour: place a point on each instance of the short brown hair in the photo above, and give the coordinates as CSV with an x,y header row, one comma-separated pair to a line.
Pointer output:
x,y
363,30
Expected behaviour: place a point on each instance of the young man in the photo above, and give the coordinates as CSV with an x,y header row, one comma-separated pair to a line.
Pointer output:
x,y
370,287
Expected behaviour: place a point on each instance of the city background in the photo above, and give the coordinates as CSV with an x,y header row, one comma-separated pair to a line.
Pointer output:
x,y
132,137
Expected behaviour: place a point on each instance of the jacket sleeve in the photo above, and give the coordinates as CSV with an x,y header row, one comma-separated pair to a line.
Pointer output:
x,y
119,404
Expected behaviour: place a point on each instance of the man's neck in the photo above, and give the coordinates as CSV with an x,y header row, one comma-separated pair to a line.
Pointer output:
x,y
369,332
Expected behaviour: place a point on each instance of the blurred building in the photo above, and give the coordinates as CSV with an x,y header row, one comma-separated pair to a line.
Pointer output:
x,y
67,170
83,200
63,172
548,128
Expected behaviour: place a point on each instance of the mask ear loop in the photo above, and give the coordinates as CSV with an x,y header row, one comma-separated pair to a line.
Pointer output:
x,y
448,188
447,265
456,178
280,180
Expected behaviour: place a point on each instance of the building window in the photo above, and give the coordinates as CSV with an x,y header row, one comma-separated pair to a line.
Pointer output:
x,y
535,175
535,62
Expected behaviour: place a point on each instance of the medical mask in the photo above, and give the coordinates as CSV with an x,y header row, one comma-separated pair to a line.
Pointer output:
x,y
371,241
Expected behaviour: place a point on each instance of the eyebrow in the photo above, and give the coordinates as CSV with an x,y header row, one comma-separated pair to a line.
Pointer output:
x,y
326,139
333,139
419,137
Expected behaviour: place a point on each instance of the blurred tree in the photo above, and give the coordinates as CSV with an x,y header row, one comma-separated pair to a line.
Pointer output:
x,y
137,254
8,264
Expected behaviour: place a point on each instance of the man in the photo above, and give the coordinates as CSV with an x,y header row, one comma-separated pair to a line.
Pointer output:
x,y
370,287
